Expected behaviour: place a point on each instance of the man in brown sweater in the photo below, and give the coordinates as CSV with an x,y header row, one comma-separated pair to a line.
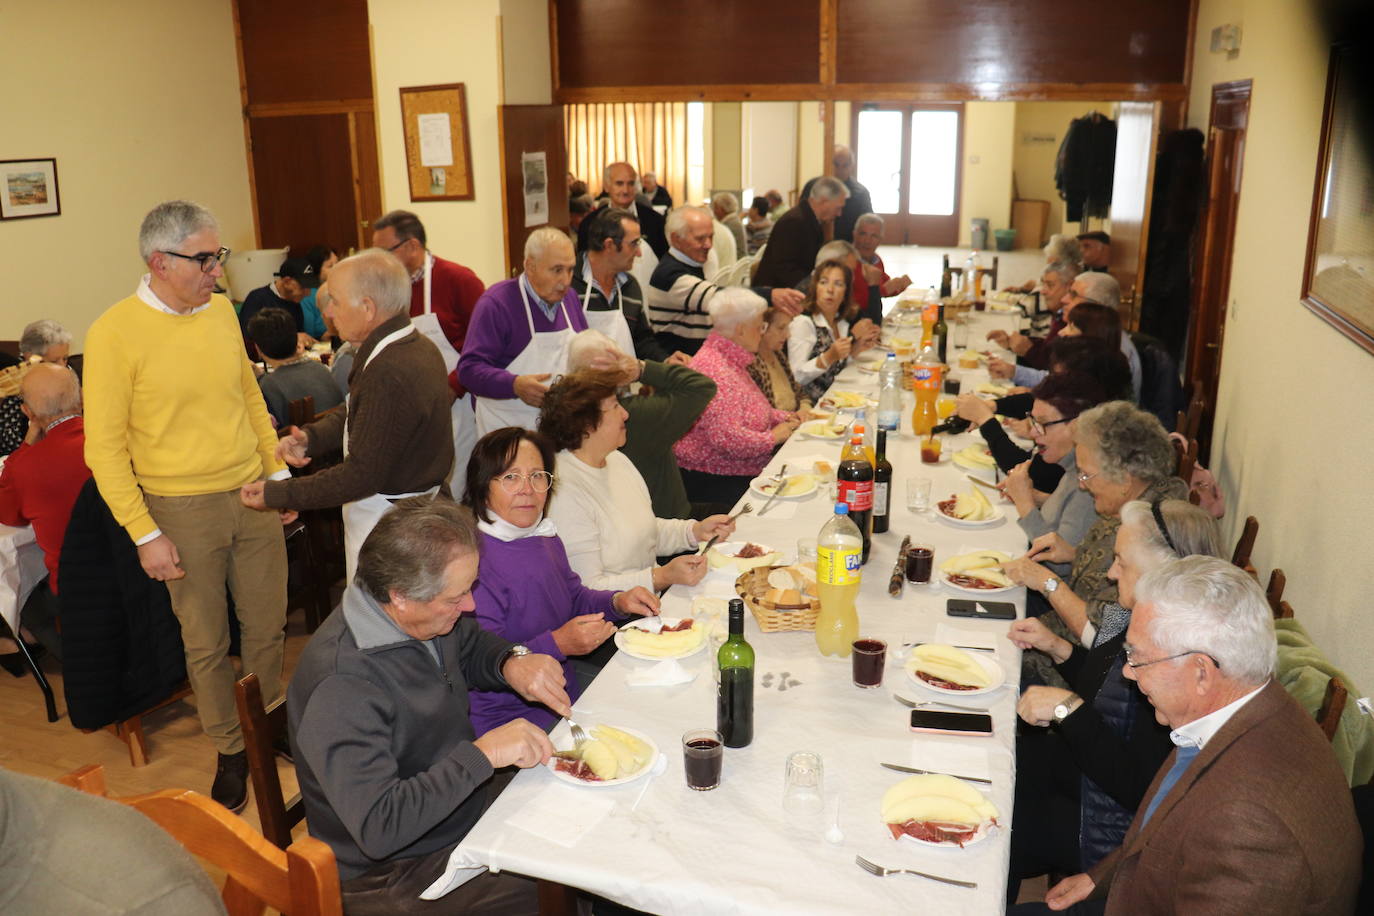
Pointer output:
x,y
394,430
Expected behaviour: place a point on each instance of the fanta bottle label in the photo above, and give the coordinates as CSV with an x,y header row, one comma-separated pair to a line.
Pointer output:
x,y
838,566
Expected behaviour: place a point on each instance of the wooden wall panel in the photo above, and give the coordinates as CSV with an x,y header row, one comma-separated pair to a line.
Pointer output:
x,y
710,42
530,129
1012,41
304,176
305,50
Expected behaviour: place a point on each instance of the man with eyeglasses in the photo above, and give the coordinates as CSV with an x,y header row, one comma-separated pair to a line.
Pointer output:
x,y
1251,813
394,429
175,425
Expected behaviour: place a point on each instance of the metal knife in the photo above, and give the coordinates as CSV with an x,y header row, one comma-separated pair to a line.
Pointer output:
x,y
982,483
781,477
902,769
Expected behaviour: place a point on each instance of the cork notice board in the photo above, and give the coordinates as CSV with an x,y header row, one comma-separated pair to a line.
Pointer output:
x,y
438,151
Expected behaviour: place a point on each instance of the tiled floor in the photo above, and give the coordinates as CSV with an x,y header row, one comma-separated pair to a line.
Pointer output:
x,y
923,264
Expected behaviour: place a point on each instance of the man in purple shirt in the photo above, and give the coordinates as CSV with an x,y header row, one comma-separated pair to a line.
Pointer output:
x,y
519,335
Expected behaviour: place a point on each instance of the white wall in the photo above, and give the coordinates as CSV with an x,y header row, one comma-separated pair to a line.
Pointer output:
x,y
421,43
770,156
1294,436
128,130
1040,128
989,129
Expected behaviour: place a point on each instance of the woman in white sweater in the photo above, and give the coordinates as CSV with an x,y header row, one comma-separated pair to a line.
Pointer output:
x,y
602,507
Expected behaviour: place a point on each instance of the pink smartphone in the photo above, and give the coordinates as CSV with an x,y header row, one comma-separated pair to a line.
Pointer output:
x,y
934,722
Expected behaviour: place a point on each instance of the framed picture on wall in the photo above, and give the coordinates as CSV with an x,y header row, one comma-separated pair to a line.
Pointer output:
x,y
28,187
438,149
1338,282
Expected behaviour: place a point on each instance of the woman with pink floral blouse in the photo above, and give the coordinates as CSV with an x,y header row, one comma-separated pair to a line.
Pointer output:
x,y
736,435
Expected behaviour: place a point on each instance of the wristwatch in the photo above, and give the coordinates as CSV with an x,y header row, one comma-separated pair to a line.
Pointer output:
x,y
515,651
1050,586
1064,709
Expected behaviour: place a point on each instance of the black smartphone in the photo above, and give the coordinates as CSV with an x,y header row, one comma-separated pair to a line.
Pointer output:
x,y
936,722
978,608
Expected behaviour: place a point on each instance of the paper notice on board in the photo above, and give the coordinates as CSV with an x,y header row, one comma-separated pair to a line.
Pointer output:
x,y
436,140
535,169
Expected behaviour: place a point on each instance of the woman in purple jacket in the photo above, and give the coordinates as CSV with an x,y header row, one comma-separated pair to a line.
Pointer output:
x,y
525,590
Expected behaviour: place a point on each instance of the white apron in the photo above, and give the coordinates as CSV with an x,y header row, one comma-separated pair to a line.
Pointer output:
x,y
612,322
464,420
362,515
546,352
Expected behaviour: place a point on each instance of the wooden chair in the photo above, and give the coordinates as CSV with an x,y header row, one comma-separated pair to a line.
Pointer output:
x,y
302,880
130,730
1274,592
1333,704
1246,544
313,553
1284,612
262,729
1187,460
1189,420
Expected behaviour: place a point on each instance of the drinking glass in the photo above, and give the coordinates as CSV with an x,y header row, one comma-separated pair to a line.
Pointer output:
x,y
920,562
702,753
802,790
869,657
918,494
806,551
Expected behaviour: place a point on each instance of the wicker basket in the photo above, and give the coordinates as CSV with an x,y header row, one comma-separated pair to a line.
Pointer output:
x,y
774,618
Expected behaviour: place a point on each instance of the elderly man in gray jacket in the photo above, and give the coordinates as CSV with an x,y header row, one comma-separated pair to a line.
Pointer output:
x,y
391,770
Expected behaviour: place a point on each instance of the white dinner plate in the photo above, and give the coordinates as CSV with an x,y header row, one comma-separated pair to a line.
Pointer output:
x,y
975,592
667,621
967,523
853,400
963,462
987,659
985,830
605,783
763,486
809,430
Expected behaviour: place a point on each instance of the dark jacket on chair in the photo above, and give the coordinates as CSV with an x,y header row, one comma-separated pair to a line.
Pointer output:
x,y
122,649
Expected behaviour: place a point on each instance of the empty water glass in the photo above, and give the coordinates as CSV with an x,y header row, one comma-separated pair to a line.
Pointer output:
x,y
918,494
802,791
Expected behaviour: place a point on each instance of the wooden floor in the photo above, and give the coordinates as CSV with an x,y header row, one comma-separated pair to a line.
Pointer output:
x,y
180,756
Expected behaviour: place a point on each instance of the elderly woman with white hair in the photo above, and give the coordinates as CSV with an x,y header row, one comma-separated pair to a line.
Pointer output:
x,y
43,341
736,435
1123,454
1095,749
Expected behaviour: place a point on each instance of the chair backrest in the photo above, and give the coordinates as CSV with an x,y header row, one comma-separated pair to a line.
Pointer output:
x,y
1187,460
1333,704
1274,592
302,880
262,727
301,410
1245,545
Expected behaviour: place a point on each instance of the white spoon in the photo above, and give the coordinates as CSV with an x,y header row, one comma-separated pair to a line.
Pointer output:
x,y
833,834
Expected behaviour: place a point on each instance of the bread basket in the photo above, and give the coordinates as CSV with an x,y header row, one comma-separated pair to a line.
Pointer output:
x,y
773,617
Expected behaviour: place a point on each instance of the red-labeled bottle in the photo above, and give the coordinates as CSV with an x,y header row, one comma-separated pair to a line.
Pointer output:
x,y
855,479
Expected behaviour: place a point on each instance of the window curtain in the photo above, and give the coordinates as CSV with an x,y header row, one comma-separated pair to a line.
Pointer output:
x,y
651,136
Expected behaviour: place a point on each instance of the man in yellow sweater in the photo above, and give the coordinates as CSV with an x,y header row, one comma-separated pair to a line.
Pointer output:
x,y
175,425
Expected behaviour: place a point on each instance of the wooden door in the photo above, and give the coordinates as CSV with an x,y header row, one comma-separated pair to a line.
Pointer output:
x,y
530,129
1137,129
910,157
1212,283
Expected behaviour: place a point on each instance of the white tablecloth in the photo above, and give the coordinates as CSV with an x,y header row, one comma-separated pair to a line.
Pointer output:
x,y
733,850
21,569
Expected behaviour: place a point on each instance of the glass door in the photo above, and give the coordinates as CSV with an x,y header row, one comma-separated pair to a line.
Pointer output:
x,y
908,156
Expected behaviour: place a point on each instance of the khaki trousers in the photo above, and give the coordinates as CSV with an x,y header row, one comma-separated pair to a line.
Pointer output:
x,y
220,540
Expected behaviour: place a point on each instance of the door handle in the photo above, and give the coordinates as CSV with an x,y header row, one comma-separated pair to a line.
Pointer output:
x,y
1213,346
365,223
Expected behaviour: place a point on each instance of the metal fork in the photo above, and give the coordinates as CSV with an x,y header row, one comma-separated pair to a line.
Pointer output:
x,y
875,869
913,704
579,736
743,510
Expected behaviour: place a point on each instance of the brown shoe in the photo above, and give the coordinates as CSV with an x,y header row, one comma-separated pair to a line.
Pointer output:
x,y
231,781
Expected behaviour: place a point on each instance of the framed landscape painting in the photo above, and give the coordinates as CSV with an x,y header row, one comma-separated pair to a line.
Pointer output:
x,y
28,187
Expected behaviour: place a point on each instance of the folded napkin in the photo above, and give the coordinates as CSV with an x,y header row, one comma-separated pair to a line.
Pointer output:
x,y
667,673
978,639
953,756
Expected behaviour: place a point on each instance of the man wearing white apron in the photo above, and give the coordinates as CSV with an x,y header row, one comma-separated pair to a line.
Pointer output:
x,y
519,336
607,287
394,430
443,295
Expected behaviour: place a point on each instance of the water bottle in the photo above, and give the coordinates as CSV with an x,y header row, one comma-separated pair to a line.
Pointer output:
x,y
890,394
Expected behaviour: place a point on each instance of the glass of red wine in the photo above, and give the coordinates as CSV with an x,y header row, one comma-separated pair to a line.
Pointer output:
x,y
702,756
869,657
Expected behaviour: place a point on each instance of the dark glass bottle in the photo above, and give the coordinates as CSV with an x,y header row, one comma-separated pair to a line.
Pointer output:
x,y
946,280
735,695
939,335
882,486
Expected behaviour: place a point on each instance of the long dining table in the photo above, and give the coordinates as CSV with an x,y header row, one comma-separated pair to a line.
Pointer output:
x,y
655,845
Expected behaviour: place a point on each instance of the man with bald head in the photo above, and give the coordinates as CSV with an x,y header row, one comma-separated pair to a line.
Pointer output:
x,y
519,336
394,429
622,190
42,478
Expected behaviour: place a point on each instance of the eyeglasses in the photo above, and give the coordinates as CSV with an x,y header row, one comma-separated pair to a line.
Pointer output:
x,y
1133,664
1038,427
1084,478
539,480
206,259
398,244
